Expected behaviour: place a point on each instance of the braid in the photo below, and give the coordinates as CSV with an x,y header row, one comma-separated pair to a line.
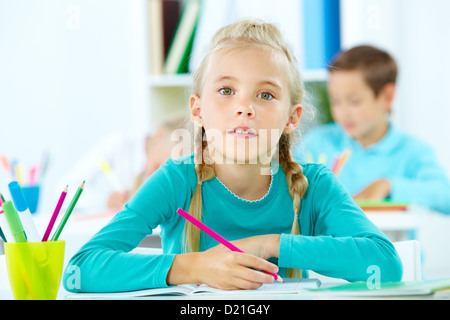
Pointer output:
x,y
204,172
297,184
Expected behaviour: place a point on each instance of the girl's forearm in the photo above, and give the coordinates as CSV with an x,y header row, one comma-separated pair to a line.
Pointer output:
x,y
183,269
274,245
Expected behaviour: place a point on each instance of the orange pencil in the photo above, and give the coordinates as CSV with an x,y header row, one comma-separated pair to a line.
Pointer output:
x,y
339,164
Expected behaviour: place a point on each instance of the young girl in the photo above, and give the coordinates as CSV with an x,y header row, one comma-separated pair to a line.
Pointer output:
x,y
245,106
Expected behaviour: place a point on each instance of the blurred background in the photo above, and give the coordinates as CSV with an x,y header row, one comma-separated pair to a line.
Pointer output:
x,y
75,72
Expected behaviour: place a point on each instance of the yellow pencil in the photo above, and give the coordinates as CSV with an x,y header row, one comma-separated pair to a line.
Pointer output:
x,y
322,158
19,174
106,169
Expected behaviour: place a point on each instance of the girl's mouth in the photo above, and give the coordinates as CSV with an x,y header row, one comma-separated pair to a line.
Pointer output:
x,y
243,132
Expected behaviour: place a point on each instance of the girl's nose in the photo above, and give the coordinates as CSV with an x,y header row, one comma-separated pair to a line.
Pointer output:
x,y
245,109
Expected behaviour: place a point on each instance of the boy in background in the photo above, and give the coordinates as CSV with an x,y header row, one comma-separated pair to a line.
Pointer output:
x,y
382,163
159,147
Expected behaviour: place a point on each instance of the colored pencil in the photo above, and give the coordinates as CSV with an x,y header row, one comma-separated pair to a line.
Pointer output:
x,y
1,211
322,158
33,173
20,174
339,164
55,214
106,169
216,236
15,225
43,168
6,164
68,212
12,166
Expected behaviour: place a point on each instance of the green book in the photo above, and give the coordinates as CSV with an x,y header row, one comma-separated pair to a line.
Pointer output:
x,y
386,289
177,60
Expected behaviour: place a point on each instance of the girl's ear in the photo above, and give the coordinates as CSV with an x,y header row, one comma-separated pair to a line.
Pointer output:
x,y
196,109
294,119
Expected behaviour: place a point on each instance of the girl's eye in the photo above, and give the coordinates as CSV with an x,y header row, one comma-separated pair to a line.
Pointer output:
x,y
226,91
265,96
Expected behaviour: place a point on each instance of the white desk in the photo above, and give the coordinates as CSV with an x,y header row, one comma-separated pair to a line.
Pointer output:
x,y
6,294
81,227
398,225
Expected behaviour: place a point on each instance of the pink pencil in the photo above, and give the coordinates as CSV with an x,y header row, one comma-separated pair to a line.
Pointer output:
x,y
33,172
217,236
55,214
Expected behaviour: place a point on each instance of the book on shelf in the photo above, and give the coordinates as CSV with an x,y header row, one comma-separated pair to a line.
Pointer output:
x,y
156,36
171,12
163,18
291,286
321,29
177,60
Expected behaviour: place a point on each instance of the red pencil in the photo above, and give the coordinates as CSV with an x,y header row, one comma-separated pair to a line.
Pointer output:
x,y
55,214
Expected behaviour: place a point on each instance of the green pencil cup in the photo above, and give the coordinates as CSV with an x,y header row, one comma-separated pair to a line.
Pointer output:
x,y
31,194
35,269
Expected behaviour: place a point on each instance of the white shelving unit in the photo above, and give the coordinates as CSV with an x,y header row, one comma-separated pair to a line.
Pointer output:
x,y
169,94
169,81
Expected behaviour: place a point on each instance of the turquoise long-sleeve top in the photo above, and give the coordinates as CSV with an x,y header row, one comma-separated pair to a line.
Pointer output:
x,y
409,164
336,237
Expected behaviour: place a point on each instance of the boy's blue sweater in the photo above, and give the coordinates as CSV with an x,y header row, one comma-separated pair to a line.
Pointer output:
x,y
407,163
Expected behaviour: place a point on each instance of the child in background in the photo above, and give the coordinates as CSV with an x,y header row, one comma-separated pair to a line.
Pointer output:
x,y
158,148
287,217
117,166
383,163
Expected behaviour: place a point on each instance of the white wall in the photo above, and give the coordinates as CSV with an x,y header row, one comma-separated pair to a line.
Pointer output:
x,y
424,102
70,74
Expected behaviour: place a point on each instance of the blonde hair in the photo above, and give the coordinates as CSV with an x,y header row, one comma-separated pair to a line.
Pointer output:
x,y
244,33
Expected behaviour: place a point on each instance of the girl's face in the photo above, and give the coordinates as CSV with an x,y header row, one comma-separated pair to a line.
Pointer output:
x,y
244,105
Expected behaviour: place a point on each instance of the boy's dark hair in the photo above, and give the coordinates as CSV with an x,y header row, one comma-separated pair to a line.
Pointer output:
x,y
377,66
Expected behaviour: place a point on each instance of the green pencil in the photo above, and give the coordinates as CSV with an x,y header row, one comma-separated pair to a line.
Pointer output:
x,y
68,212
14,222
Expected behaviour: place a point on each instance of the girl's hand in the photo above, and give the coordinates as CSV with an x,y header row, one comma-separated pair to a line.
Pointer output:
x,y
227,270
264,246
117,199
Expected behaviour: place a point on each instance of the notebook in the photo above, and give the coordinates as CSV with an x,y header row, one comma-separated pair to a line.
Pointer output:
x,y
388,289
382,206
291,286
